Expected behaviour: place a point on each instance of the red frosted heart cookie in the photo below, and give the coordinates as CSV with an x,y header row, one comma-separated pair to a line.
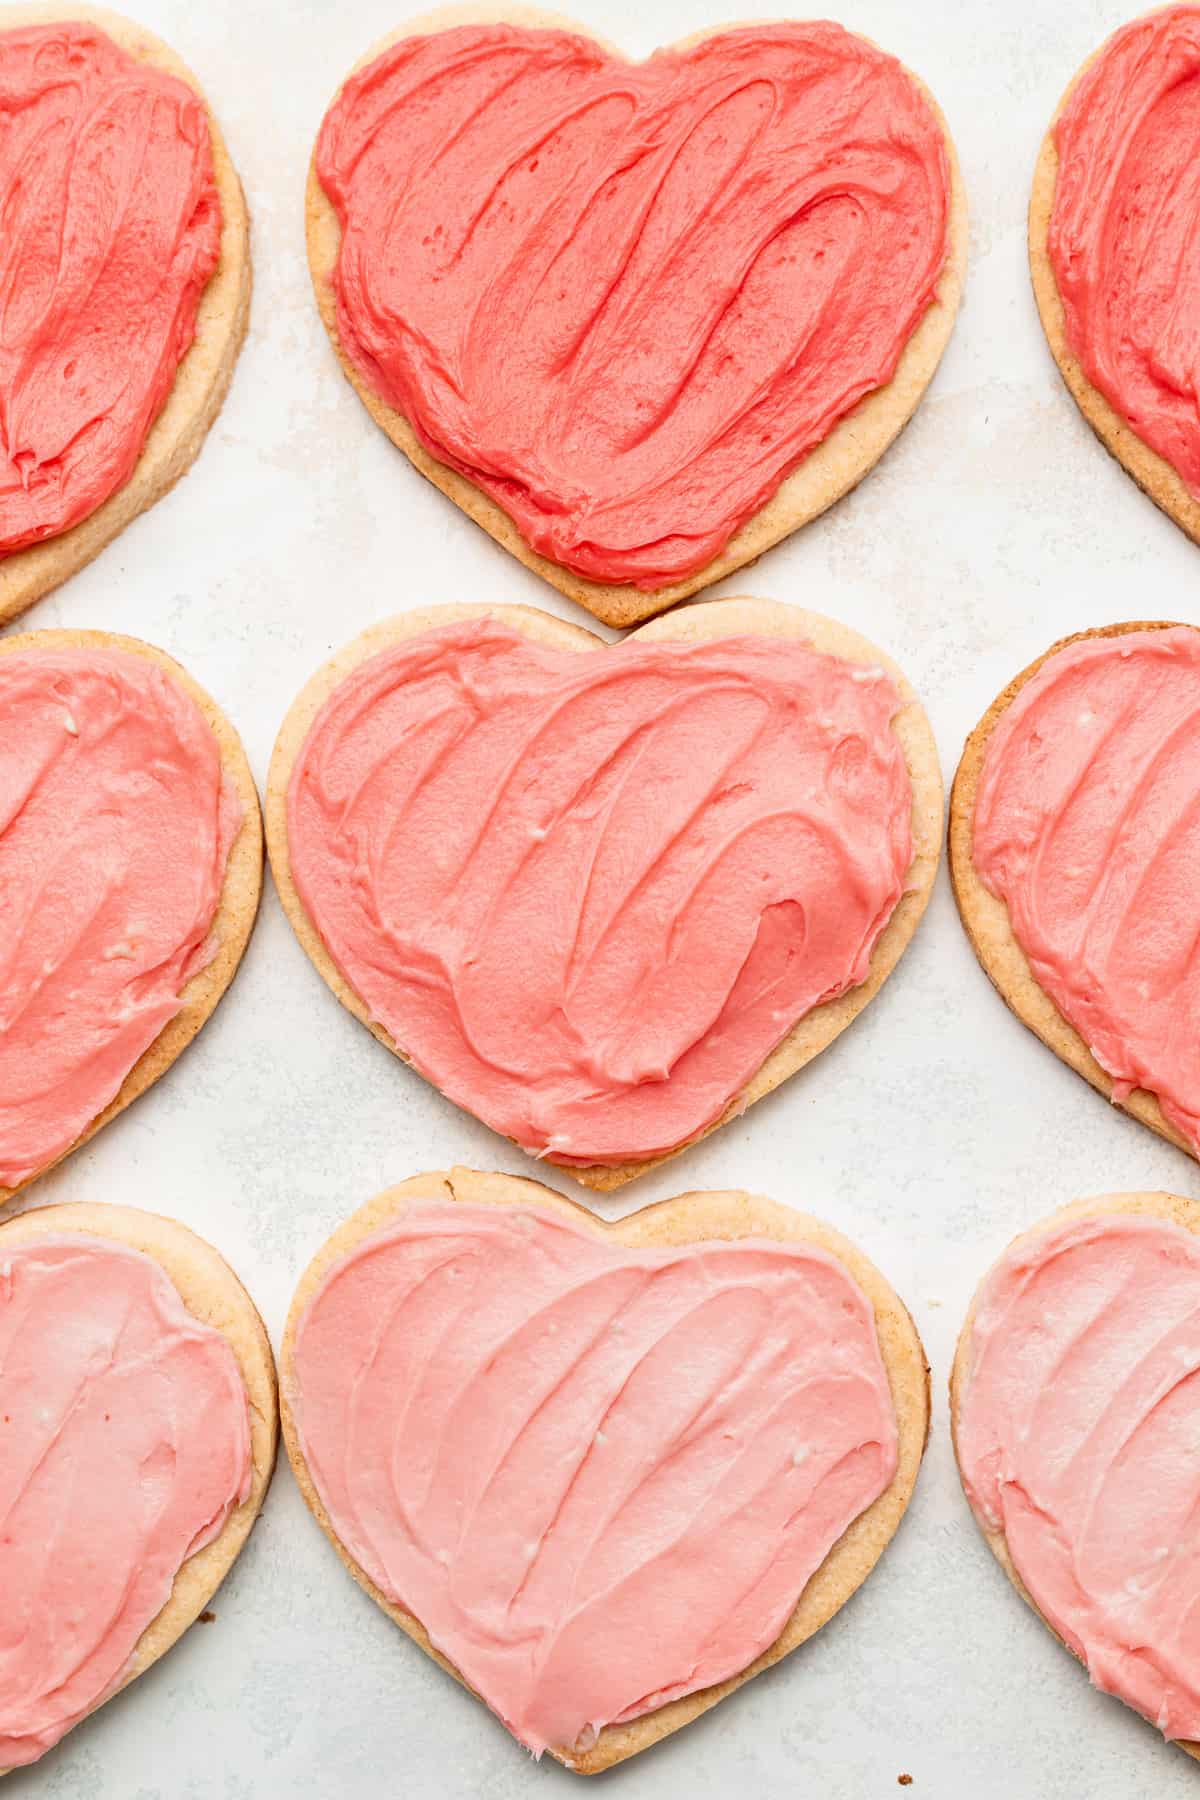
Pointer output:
x,y
617,311
603,1473
124,284
1111,247
605,896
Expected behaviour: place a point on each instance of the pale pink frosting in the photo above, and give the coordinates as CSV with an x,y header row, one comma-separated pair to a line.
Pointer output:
x,y
599,1477
1077,1437
1087,824
116,822
124,1448
589,892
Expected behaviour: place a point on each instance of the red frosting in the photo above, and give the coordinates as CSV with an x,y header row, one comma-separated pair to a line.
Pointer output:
x,y
626,299
110,227
1122,231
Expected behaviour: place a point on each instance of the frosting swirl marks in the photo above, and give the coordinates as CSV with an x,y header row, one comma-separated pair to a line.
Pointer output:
x,y
110,226
1122,239
116,823
1087,824
124,1448
1077,1435
626,299
534,1439
587,893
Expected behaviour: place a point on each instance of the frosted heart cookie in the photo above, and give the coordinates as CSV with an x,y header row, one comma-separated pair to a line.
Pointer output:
x,y
131,867
1111,224
1074,834
124,284
1076,1409
603,1474
638,320
605,897
137,1437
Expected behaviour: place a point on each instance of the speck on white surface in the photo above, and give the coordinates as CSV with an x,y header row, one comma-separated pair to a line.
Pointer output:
x,y
930,1132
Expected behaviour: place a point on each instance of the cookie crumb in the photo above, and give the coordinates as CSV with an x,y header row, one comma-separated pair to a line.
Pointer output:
x,y
207,1617
904,1780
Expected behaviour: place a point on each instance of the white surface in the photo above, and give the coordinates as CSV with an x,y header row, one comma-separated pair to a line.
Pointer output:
x,y
931,1132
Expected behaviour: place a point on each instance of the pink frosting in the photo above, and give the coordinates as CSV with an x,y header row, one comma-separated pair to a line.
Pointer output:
x,y
588,893
599,1477
116,823
1087,824
1077,1438
124,1448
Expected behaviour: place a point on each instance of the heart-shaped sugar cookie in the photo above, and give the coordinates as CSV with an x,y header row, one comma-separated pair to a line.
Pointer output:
x,y
604,1474
1111,221
131,869
1072,853
1075,1400
140,1426
605,896
124,284
640,321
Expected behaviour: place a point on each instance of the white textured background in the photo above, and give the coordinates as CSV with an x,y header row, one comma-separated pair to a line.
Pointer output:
x,y
931,1132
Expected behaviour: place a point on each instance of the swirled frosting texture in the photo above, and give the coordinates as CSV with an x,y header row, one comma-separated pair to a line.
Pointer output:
x,y
1122,230
589,892
626,299
540,1443
110,227
1077,1437
1087,824
115,827
124,1448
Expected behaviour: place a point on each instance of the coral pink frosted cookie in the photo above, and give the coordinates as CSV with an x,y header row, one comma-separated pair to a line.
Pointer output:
x,y
137,1438
1111,221
602,1473
131,867
1074,838
1076,1409
639,320
124,284
604,897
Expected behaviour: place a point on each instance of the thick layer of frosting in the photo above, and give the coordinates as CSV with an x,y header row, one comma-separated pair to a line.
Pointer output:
x,y
626,299
110,226
1122,229
599,1477
1077,1437
1087,823
116,822
124,1448
589,892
